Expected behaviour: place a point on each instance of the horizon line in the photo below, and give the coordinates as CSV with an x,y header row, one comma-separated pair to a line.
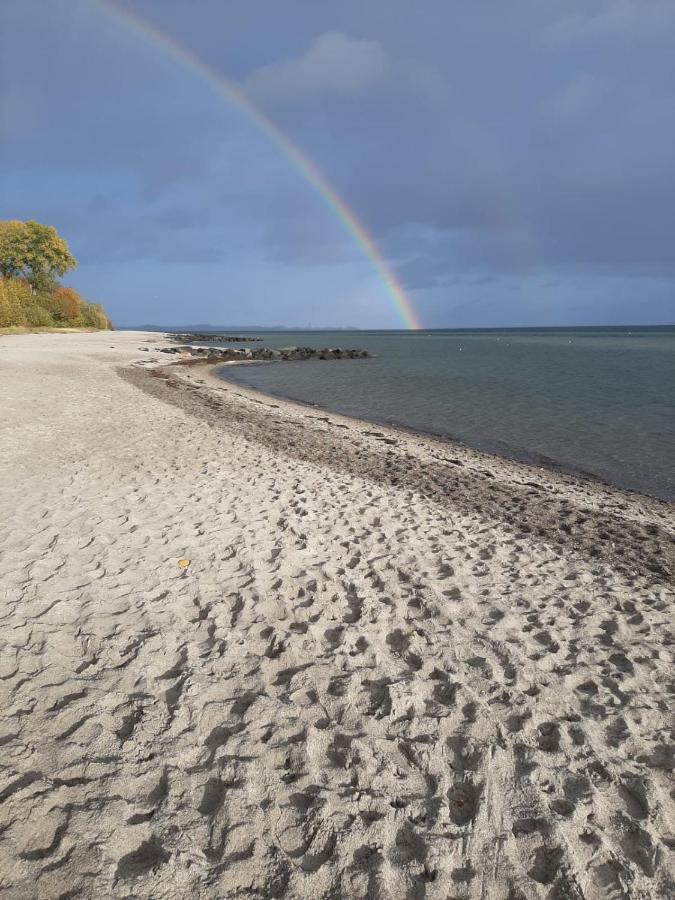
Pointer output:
x,y
208,327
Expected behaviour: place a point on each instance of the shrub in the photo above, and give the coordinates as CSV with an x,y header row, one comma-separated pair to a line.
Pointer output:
x,y
93,316
65,305
13,299
37,316
62,307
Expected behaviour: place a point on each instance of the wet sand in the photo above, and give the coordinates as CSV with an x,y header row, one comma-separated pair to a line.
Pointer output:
x,y
253,649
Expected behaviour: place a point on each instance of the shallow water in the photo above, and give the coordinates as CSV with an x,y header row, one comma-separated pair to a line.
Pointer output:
x,y
599,401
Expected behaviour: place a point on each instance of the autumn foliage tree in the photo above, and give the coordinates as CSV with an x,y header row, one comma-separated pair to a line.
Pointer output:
x,y
32,258
35,252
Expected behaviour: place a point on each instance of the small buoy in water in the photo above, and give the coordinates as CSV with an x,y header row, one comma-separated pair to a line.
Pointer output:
x,y
183,563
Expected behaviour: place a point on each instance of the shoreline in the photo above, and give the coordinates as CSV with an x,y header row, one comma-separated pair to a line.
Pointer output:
x,y
250,649
501,484
535,460
537,464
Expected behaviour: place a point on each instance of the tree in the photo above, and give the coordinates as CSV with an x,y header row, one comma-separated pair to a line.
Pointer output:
x,y
34,251
13,248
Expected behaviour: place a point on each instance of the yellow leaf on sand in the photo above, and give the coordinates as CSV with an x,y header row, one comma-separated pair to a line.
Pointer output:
x,y
183,563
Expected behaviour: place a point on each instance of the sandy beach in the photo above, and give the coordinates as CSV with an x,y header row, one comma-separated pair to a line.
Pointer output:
x,y
252,649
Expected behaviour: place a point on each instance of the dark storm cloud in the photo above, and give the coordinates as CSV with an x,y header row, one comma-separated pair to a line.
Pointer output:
x,y
475,141
576,150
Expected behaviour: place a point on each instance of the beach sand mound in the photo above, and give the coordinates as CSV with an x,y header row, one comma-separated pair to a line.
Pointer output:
x,y
251,650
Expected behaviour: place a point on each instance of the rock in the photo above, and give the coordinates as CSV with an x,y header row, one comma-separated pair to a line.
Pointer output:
x,y
206,337
234,354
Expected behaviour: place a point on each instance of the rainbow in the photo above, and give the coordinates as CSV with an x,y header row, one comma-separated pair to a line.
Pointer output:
x,y
307,168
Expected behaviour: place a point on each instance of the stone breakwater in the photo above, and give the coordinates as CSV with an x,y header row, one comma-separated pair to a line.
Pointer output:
x,y
236,354
203,338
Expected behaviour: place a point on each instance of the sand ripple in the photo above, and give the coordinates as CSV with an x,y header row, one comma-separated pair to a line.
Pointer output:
x,y
356,688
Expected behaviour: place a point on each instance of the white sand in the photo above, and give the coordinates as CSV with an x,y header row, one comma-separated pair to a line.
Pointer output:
x,y
393,667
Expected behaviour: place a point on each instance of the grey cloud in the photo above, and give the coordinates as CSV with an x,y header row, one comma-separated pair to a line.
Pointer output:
x,y
594,20
575,102
578,164
474,141
340,70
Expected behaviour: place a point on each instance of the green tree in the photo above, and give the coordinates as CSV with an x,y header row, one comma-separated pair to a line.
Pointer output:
x,y
35,252
13,248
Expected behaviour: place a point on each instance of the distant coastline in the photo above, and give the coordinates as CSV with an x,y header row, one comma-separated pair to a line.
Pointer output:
x,y
486,329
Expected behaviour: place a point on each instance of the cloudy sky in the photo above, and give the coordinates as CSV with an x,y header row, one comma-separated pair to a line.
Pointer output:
x,y
514,160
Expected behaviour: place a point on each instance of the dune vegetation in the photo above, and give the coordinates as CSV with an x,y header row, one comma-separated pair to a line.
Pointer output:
x,y
32,259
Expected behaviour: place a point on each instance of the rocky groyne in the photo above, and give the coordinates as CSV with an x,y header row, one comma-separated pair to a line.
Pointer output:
x,y
237,354
210,337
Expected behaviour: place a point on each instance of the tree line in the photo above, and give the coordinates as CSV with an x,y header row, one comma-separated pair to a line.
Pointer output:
x,y
32,259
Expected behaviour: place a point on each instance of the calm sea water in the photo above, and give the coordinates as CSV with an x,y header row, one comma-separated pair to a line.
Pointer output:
x,y
599,401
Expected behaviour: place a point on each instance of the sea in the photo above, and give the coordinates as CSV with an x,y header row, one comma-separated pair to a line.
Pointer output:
x,y
593,401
